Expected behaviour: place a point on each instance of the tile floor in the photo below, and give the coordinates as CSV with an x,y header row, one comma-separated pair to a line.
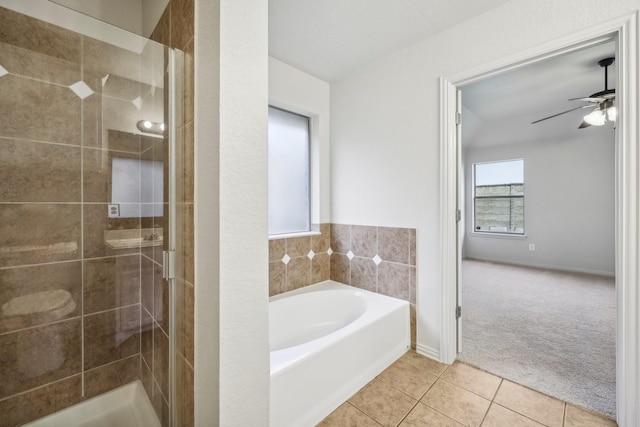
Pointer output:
x,y
418,391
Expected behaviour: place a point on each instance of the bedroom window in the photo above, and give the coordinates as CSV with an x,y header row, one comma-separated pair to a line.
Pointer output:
x,y
499,197
289,178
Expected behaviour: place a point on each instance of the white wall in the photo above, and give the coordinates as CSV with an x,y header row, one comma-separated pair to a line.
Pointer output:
x,y
385,126
231,249
569,203
294,90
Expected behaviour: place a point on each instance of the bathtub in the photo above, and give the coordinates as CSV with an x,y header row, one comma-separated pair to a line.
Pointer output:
x,y
327,341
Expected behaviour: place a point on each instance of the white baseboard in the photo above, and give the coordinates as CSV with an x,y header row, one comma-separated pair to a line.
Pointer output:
x,y
545,266
431,353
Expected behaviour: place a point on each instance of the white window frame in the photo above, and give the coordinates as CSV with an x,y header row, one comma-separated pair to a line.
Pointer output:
x,y
474,197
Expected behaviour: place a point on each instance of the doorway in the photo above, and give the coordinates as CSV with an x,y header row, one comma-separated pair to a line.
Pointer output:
x,y
538,258
623,31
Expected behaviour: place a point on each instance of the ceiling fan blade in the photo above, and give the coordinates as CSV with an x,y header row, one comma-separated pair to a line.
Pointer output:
x,y
588,99
583,125
564,112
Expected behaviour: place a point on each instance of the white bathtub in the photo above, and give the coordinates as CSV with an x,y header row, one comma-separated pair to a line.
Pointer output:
x,y
327,341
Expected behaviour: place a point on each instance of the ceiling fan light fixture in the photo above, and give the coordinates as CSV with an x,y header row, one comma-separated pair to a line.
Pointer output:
x,y
596,118
612,114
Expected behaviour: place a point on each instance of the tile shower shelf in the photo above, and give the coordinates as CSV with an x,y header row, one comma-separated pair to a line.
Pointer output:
x,y
134,238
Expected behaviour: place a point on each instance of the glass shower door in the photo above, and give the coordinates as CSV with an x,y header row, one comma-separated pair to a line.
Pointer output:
x,y
87,212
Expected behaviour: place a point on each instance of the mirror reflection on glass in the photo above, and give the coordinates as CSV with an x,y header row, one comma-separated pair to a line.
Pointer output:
x,y
136,187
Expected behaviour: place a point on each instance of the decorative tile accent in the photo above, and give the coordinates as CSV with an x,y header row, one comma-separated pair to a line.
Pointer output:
x,y
377,260
350,255
329,251
3,71
310,255
286,258
81,89
137,102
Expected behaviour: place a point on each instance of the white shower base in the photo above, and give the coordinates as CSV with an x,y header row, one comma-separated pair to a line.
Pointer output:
x,y
126,406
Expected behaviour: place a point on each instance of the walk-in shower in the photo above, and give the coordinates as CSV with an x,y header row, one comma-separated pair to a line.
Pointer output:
x,y
87,222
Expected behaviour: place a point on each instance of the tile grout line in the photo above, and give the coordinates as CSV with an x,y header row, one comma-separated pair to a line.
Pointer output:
x,y
82,144
361,411
491,402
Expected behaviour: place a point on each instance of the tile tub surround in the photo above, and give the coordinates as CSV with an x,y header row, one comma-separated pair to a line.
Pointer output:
x,y
418,391
378,259
299,261
56,147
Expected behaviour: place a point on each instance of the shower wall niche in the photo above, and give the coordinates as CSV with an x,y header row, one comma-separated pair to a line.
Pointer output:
x,y
83,305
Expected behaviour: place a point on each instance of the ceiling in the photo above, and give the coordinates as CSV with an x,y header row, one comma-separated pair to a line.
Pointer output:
x,y
496,108
330,38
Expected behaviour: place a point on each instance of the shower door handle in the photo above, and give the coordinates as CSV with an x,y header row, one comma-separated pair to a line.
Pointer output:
x,y
169,265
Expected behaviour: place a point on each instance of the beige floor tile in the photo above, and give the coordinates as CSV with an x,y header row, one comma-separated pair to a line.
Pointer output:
x,y
578,417
423,362
503,417
423,416
382,402
348,416
408,377
530,403
472,379
455,402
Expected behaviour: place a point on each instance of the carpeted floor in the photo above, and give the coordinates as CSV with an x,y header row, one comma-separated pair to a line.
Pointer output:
x,y
548,330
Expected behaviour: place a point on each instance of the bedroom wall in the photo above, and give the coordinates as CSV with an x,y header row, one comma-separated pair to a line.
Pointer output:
x,y
569,204
385,149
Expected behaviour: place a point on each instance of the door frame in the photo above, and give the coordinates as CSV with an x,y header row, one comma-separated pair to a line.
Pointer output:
x,y
624,31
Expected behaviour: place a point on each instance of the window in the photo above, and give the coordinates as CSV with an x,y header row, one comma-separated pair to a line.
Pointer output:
x,y
499,197
289,180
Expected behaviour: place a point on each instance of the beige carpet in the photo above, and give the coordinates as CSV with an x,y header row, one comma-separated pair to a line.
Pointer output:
x,y
548,330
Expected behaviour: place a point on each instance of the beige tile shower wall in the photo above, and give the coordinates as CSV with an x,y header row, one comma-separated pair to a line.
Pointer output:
x,y
378,259
176,29
56,149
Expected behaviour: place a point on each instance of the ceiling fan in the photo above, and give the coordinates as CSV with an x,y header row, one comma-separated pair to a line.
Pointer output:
x,y
601,103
